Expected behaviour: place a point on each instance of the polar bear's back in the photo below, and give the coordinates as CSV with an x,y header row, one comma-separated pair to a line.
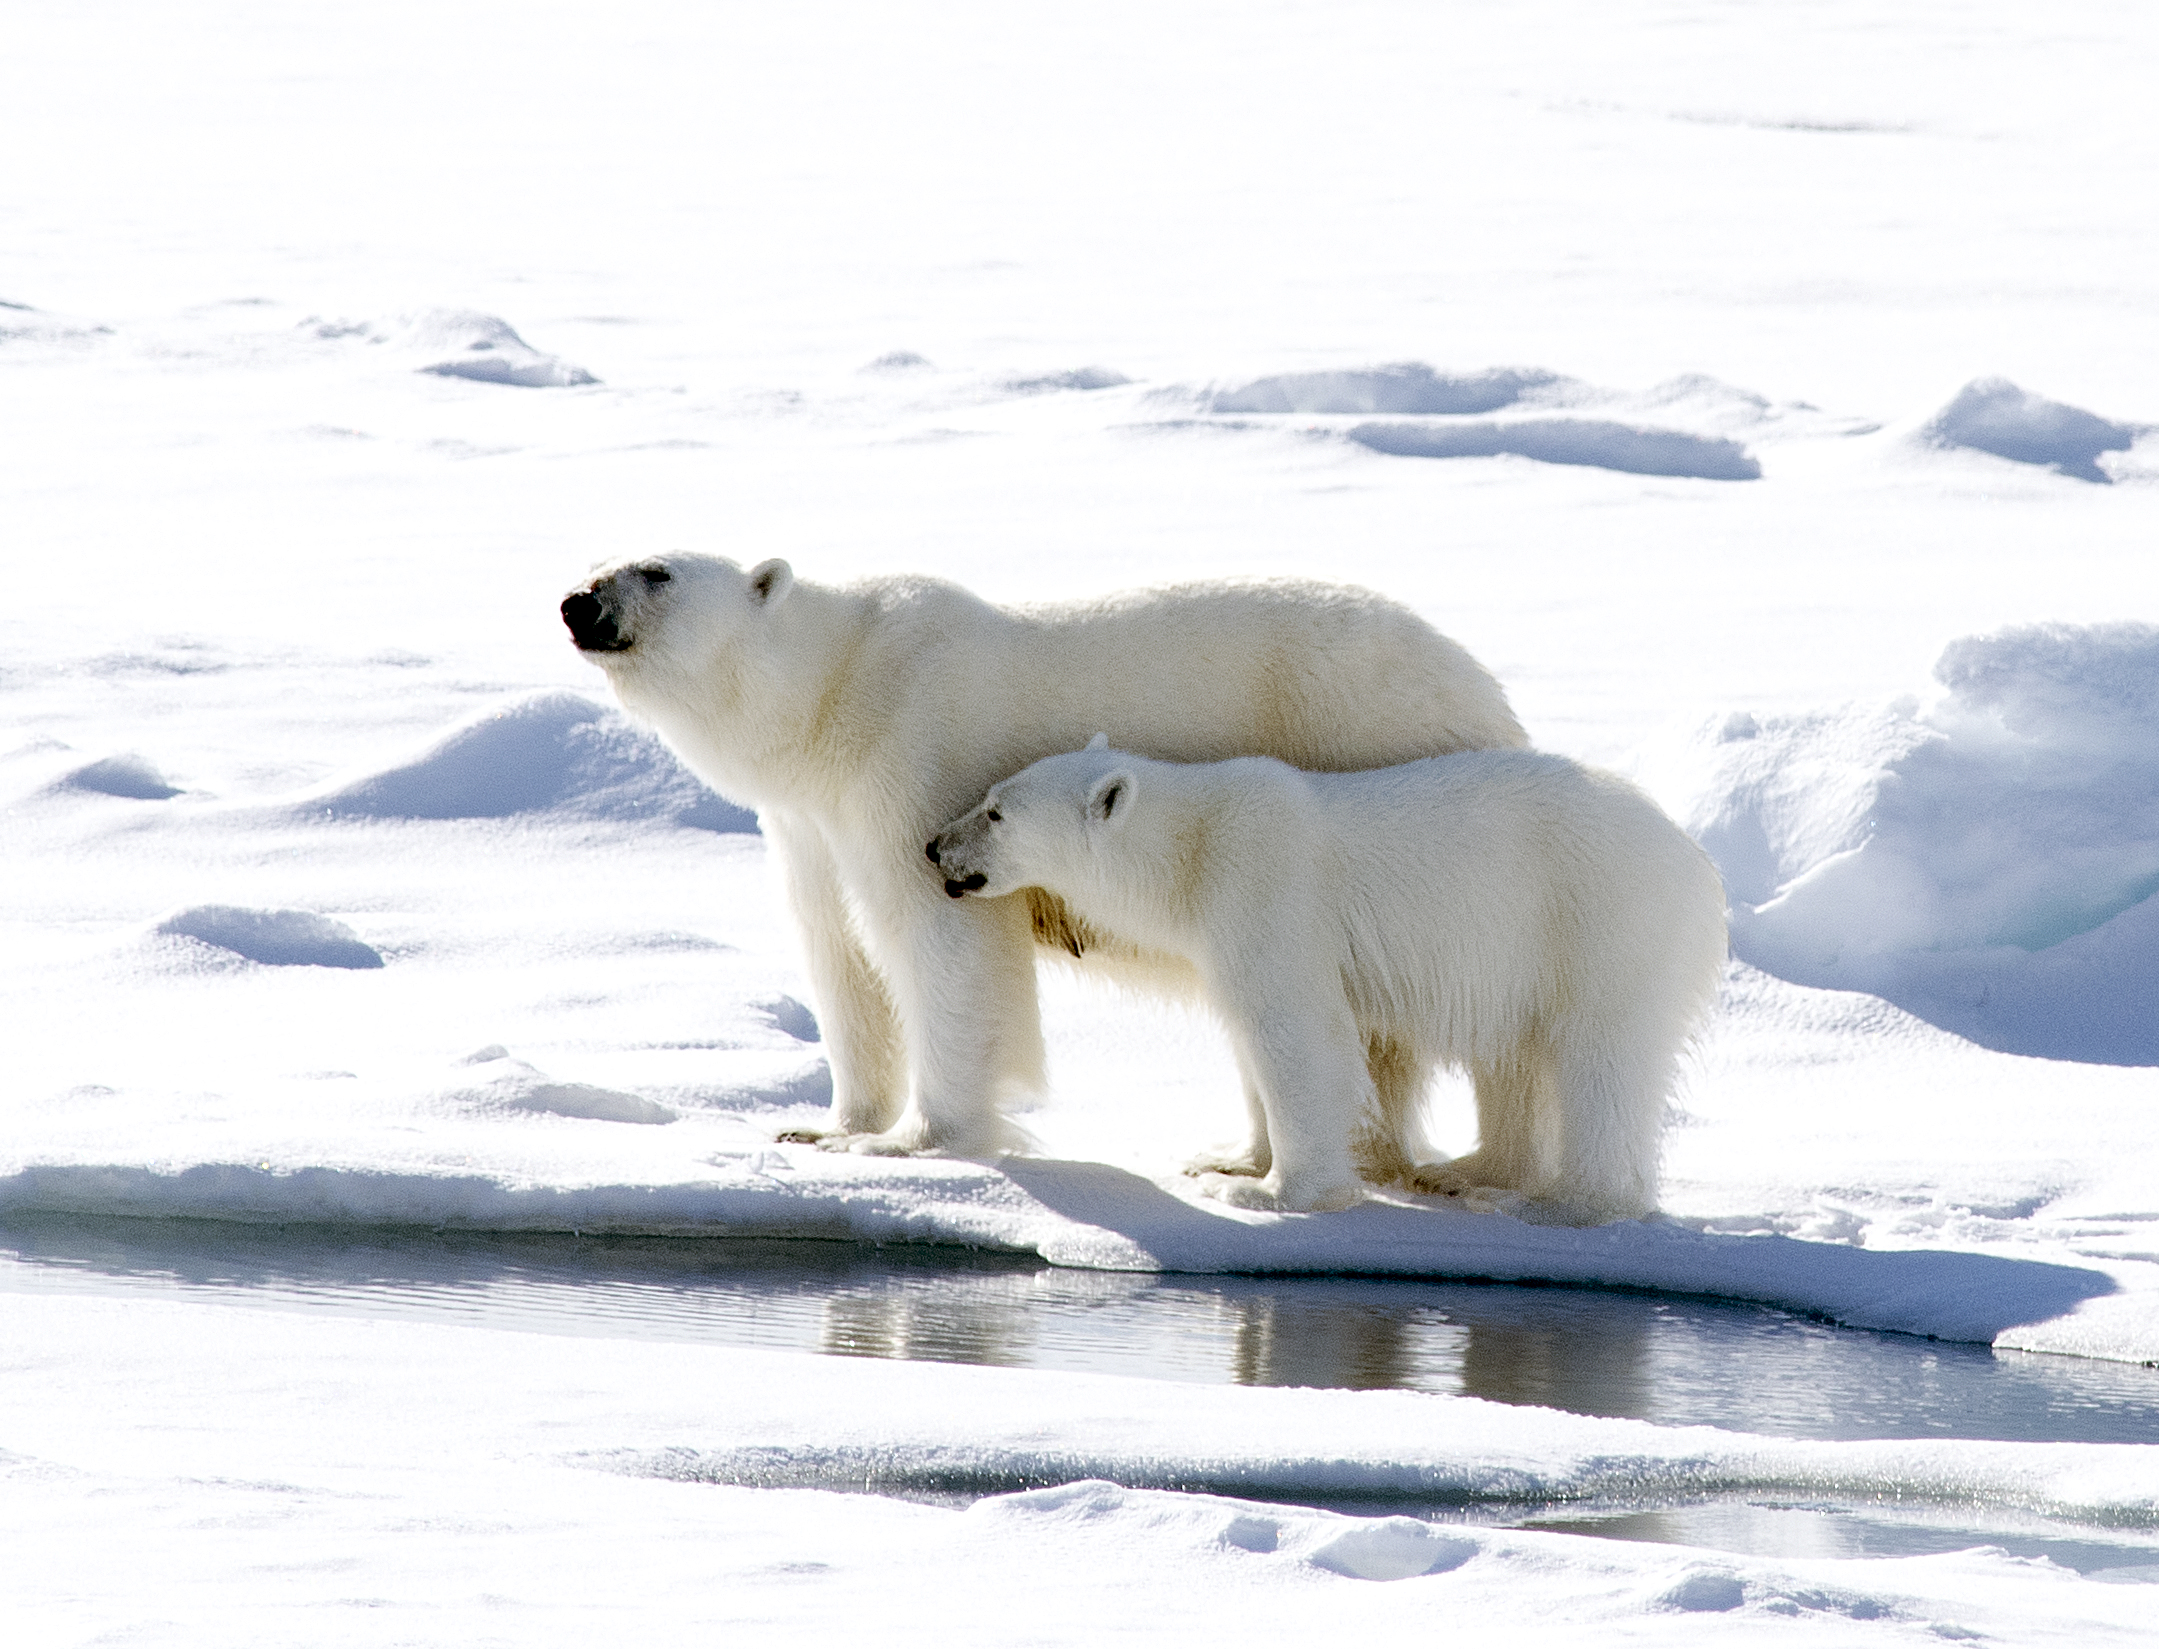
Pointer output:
x,y
1326,677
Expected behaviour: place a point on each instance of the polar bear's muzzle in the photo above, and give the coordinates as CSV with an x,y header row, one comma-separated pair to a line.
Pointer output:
x,y
594,620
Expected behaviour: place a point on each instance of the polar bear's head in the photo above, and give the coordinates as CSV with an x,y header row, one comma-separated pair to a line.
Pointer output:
x,y
669,610
1046,826
722,659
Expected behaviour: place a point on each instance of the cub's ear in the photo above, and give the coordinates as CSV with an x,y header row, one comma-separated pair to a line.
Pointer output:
x,y
1099,742
1111,797
770,581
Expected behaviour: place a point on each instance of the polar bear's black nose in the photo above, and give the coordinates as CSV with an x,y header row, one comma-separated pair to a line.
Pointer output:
x,y
966,885
592,625
935,857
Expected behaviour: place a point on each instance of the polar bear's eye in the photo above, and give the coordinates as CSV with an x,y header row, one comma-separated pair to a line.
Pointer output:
x,y
996,817
655,575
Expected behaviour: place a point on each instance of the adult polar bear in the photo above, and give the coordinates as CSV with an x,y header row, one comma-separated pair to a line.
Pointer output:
x,y
1533,921
858,719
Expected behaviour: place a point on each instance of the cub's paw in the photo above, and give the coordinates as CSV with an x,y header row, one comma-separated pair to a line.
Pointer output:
x,y
800,1136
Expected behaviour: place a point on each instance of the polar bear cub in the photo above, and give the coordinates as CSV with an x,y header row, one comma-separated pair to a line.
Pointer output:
x,y
1536,922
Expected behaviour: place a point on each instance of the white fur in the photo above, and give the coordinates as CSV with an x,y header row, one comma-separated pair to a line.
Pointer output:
x,y
857,719
1535,922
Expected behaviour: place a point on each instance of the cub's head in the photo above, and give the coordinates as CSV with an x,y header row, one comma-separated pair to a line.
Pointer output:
x,y
1043,827
677,614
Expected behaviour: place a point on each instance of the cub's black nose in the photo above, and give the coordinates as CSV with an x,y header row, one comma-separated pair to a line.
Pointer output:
x,y
965,886
931,850
591,625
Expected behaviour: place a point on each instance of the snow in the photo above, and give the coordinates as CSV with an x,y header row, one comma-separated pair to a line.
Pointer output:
x,y
279,938
1994,415
1987,861
334,347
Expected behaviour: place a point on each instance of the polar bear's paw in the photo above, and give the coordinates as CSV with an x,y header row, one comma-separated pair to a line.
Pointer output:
x,y
1267,1196
1241,1161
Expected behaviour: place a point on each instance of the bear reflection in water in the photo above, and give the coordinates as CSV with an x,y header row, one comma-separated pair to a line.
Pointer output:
x,y
1293,1333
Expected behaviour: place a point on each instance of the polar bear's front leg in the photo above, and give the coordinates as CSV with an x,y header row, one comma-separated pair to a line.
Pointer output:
x,y
962,975
1299,1049
854,1012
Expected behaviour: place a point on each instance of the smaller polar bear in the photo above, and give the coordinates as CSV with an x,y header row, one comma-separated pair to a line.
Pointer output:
x,y
1535,922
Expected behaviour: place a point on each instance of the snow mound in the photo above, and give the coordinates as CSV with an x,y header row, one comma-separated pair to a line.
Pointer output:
x,y
1357,1548
790,1018
21,324
132,777
511,1085
1682,427
466,344
1599,443
1049,383
551,752
1993,415
1404,388
279,938
1989,863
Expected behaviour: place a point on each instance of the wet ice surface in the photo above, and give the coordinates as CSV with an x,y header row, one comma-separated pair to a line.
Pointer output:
x,y
1671,1361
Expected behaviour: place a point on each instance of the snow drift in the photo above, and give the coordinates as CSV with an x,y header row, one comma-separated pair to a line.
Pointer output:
x,y
550,752
1404,388
276,938
1989,863
1683,427
462,343
1993,415
1599,443
130,776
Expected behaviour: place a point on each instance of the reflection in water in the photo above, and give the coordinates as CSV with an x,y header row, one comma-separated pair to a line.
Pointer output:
x,y
1280,1340
1560,1367
1673,1361
972,1326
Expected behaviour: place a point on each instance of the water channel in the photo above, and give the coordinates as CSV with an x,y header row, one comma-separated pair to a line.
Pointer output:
x,y
1672,1361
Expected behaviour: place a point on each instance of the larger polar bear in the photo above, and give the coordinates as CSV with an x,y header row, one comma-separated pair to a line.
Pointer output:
x,y
858,719
1517,915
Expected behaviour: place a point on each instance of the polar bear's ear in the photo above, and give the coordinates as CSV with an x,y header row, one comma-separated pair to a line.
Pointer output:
x,y
770,581
1111,797
1099,742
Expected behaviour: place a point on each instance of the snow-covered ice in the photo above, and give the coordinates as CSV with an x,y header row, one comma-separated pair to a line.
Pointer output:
x,y
1762,392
